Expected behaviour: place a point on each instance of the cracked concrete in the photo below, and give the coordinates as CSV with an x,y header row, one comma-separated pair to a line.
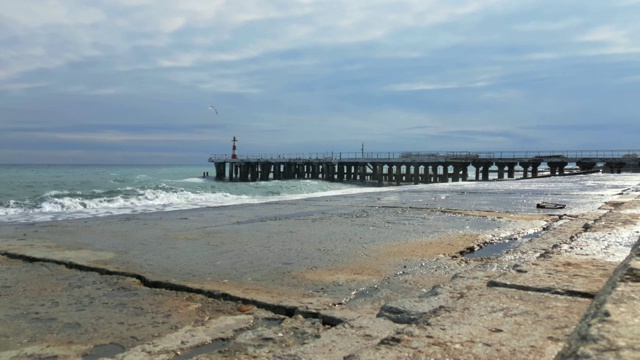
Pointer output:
x,y
130,288
611,324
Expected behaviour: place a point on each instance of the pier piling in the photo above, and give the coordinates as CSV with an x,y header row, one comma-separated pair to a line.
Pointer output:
x,y
413,167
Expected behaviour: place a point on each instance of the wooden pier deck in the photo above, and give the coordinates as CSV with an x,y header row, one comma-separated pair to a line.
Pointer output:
x,y
416,167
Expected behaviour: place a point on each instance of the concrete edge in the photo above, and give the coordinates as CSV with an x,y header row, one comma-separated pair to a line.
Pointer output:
x,y
606,329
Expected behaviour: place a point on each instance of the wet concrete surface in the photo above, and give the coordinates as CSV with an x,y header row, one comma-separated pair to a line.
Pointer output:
x,y
276,258
50,311
49,304
362,280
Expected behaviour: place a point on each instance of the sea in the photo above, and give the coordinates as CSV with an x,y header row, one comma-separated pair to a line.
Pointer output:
x,y
40,193
35,193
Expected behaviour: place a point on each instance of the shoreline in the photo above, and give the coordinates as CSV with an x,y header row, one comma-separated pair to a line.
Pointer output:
x,y
427,301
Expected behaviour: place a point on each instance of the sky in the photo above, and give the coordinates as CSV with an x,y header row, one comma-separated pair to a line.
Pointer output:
x,y
132,81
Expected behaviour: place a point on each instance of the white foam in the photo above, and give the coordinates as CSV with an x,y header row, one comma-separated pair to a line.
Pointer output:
x,y
71,206
190,180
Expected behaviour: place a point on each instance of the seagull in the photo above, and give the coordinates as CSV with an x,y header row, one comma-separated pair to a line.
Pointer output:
x,y
211,107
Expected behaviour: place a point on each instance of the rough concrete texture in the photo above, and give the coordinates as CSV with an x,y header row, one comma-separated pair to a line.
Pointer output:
x,y
611,326
49,310
416,298
190,337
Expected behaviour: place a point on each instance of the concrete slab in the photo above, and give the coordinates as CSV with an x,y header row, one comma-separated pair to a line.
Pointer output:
x,y
293,256
610,327
325,258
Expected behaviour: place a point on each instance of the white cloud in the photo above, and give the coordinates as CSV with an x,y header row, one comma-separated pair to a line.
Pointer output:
x,y
85,90
602,40
20,86
38,56
606,34
128,27
23,15
306,67
547,26
460,79
422,86
615,40
116,136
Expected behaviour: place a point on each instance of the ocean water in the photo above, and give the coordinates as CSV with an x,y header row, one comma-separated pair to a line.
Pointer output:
x,y
32,193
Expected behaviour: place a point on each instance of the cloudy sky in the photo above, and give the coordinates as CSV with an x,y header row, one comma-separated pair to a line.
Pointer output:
x,y
131,81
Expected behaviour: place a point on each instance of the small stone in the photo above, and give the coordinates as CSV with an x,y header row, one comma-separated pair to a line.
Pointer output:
x,y
245,308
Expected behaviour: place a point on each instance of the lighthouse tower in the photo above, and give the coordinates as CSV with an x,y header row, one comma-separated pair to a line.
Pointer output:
x,y
233,149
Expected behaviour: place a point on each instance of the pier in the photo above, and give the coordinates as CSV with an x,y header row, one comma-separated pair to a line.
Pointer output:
x,y
417,167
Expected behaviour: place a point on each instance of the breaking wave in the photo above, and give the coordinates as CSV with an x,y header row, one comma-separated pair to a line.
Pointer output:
x,y
58,205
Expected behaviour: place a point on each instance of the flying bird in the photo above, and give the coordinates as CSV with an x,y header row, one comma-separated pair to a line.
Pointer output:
x,y
211,107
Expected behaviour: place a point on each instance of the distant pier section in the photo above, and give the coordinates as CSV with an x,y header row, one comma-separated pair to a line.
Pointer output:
x,y
419,167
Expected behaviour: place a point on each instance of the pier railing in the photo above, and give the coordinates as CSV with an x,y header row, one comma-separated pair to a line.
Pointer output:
x,y
438,156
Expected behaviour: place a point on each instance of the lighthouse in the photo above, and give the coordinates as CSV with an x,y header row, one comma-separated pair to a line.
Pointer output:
x,y
233,149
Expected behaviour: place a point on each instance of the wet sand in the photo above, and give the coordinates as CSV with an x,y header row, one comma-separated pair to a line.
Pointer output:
x,y
391,271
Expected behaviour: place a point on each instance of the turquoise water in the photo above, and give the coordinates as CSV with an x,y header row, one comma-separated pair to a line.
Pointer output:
x,y
51,192
31,193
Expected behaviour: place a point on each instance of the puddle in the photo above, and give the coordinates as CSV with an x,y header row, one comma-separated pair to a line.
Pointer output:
x,y
103,351
492,250
499,248
201,350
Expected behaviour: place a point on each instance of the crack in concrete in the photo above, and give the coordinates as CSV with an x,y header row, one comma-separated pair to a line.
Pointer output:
x,y
544,290
288,311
